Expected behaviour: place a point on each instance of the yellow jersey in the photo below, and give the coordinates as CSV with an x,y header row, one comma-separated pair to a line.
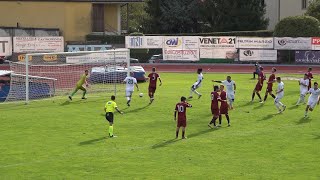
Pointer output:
x,y
111,106
82,80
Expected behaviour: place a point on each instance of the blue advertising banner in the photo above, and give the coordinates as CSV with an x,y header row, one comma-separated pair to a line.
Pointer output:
x,y
307,57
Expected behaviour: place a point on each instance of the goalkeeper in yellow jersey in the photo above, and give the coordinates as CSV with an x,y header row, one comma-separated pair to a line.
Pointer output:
x,y
83,80
109,108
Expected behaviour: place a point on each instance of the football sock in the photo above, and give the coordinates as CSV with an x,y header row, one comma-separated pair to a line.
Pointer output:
x,y
259,96
177,134
306,113
299,100
128,98
183,134
84,93
195,91
191,92
281,104
278,106
228,119
213,121
253,94
220,119
273,96
302,98
230,103
265,97
73,93
110,130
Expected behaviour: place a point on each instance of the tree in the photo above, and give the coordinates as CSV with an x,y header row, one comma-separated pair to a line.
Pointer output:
x,y
314,9
297,26
234,15
133,16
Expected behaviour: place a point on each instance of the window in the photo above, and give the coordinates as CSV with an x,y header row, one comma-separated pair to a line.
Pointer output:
x,y
304,4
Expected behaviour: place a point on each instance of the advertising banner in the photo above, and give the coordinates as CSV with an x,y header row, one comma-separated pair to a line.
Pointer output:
x,y
144,42
179,54
218,53
288,43
98,58
190,42
5,46
316,43
227,42
307,57
76,48
257,55
255,42
38,44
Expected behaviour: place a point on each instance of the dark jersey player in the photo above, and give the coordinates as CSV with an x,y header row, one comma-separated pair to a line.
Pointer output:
x,y
259,85
215,97
224,105
181,109
153,77
310,76
271,80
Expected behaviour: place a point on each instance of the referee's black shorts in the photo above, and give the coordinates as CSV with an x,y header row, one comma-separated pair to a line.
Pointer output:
x,y
109,117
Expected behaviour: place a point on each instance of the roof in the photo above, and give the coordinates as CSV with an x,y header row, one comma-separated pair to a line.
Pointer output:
x,y
98,1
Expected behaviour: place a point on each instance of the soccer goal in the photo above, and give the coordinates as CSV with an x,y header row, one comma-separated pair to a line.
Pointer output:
x,y
45,75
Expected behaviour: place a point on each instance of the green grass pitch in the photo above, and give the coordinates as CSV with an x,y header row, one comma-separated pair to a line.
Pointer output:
x,y
59,140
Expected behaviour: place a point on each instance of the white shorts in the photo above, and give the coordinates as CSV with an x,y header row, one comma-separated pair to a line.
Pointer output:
x,y
278,98
303,92
129,93
194,86
230,97
312,103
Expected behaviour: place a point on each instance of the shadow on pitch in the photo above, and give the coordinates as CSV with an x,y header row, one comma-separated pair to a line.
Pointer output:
x,y
165,143
269,116
293,107
260,106
202,132
67,102
304,120
137,109
92,141
247,104
316,136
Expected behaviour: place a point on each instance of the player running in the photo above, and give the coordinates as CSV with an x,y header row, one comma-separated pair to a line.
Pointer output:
x,y
109,108
153,77
181,109
79,85
259,85
231,90
310,76
215,97
313,99
197,84
280,94
271,80
304,83
130,82
223,105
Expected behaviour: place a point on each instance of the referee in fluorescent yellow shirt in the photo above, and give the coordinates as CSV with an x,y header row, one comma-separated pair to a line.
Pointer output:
x,y
109,108
83,80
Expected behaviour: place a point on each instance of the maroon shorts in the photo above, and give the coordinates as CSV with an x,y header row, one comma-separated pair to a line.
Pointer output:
x,y
152,89
269,89
182,123
215,112
258,87
224,108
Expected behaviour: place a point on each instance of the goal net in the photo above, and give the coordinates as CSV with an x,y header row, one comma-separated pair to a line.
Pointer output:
x,y
44,75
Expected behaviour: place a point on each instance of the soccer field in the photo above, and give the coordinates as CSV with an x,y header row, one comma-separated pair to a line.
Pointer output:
x,y
61,140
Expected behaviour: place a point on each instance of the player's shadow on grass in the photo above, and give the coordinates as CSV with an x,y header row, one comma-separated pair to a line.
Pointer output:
x,y
202,132
294,106
304,120
92,141
165,143
316,136
269,116
259,107
246,104
137,109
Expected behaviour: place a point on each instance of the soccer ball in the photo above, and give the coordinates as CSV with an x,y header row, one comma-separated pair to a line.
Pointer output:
x,y
141,94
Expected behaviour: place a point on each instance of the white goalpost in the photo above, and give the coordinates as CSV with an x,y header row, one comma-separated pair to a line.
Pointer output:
x,y
44,75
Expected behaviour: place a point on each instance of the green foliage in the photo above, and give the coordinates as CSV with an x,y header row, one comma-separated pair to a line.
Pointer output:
x,y
136,14
59,140
297,26
314,9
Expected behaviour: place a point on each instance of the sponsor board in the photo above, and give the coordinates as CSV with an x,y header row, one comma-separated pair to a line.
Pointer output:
x,y
190,42
218,53
38,44
307,57
98,58
5,46
315,43
255,43
173,42
144,42
77,48
50,58
179,54
227,42
288,43
22,58
257,55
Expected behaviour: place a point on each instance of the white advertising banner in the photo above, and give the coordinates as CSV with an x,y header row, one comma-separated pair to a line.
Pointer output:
x,y
173,42
227,42
98,58
255,42
179,54
288,43
218,53
316,43
38,44
190,42
5,46
144,42
257,55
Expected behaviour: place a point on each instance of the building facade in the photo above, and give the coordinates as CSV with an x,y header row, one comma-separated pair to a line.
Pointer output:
x,y
279,9
74,18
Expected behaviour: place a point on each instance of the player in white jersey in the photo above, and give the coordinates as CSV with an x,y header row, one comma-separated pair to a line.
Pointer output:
x,y
231,90
304,83
197,84
279,96
130,82
313,98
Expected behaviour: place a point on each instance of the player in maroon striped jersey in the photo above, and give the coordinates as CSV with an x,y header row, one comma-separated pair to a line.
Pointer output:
x,y
214,106
181,109
223,106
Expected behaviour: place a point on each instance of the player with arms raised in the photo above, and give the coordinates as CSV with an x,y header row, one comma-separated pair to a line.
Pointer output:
x,y
259,85
313,98
280,94
181,110
215,97
271,80
79,85
153,77
303,83
223,106
197,84
130,82
231,90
